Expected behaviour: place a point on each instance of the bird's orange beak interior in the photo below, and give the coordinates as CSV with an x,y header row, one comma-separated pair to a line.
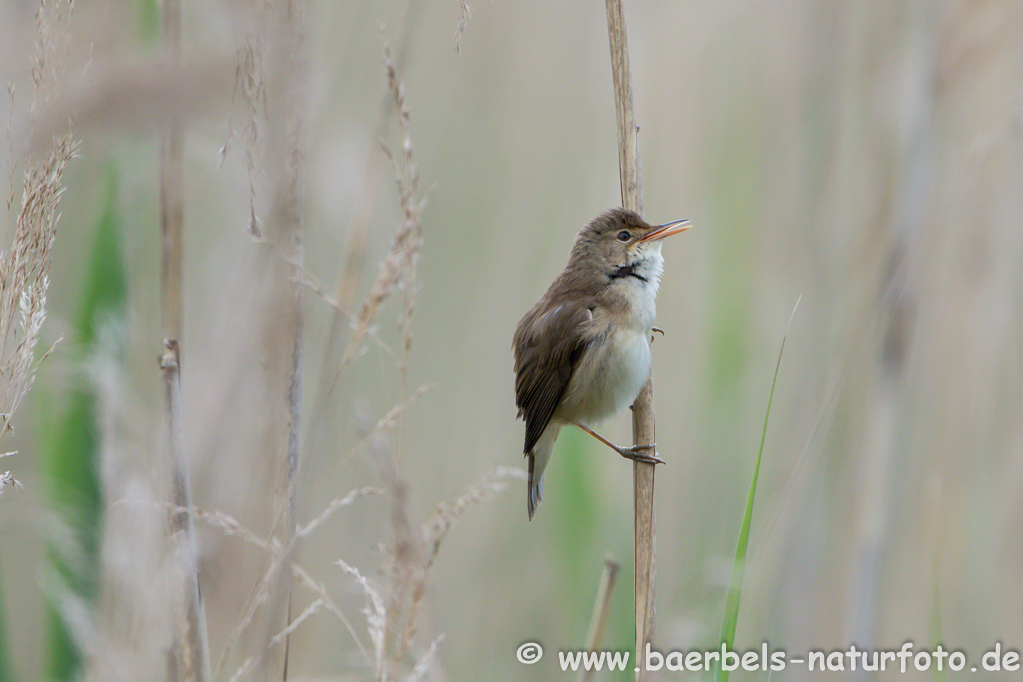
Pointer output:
x,y
667,229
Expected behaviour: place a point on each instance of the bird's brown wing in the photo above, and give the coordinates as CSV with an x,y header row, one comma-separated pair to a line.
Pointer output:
x,y
548,346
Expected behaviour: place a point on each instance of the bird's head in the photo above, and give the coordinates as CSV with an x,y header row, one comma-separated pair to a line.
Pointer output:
x,y
620,244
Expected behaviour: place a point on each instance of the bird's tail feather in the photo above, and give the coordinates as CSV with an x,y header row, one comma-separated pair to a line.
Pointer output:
x,y
538,458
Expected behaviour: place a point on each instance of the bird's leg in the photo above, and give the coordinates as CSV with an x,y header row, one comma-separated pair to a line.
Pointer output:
x,y
634,453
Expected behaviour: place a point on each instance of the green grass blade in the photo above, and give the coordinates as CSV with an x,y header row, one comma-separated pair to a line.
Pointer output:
x,y
734,593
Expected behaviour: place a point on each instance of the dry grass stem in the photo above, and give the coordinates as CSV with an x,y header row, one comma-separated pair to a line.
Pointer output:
x,y
423,666
390,419
279,554
433,531
393,610
261,596
172,201
270,74
308,611
261,592
443,518
643,430
391,627
601,610
334,505
376,618
247,666
369,432
304,277
317,587
192,642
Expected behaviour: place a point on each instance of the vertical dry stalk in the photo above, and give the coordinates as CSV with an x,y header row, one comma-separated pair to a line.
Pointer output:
x,y
270,75
643,409
287,157
406,568
601,608
192,652
192,644
172,202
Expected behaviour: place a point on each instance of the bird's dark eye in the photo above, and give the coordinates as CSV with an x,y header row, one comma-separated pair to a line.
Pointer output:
x,y
624,236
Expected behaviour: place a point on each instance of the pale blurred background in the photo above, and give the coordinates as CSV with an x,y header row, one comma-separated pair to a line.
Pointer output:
x,y
867,156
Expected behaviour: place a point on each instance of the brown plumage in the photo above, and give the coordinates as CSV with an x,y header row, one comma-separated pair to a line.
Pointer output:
x,y
582,352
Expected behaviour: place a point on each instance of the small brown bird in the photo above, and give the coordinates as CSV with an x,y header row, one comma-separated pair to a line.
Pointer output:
x,y
582,353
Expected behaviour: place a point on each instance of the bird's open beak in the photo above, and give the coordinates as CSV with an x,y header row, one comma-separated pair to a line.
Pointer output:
x,y
666,230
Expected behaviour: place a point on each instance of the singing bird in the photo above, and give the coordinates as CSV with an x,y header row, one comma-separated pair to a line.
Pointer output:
x,y
582,353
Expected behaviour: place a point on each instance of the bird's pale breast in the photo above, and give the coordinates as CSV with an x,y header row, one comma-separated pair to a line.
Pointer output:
x,y
608,378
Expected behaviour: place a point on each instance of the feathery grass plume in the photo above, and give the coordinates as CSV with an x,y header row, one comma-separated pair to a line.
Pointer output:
x,y
25,264
24,274
398,269
407,179
357,231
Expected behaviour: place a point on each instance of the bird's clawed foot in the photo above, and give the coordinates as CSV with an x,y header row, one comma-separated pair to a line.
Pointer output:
x,y
635,453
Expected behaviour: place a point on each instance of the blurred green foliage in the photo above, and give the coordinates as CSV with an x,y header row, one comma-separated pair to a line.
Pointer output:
x,y
149,21
581,536
72,453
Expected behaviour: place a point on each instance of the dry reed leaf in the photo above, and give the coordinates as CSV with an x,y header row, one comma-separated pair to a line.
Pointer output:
x,y
464,15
